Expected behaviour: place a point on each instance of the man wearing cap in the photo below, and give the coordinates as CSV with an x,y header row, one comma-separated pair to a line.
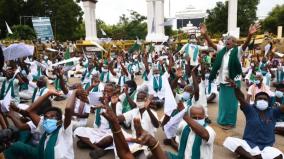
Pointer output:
x,y
227,63
258,137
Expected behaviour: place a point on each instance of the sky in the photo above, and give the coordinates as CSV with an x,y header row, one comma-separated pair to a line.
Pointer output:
x,y
110,10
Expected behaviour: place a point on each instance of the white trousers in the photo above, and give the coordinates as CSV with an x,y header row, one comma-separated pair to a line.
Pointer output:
x,y
268,152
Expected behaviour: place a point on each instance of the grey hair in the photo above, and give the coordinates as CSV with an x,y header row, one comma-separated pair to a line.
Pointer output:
x,y
234,39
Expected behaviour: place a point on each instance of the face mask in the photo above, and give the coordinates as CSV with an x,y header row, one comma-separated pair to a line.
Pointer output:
x,y
207,75
261,104
104,70
140,105
200,121
185,96
279,94
257,81
156,75
49,125
252,64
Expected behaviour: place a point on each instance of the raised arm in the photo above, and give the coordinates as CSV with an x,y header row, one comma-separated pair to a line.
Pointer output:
x,y
252,30
121,145
239,94
69,109
203,31
197,128
195,82
59,74
154,120
36,104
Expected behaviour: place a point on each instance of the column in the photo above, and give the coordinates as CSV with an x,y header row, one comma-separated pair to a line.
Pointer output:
x,y
90,19
232,18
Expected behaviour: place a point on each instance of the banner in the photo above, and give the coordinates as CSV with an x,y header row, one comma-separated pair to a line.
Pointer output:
x,y
42,27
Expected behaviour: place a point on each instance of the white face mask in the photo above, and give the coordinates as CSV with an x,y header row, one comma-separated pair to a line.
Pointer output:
x,y
185,96
261,104
140,105
279,94
104,70
200,121
156,75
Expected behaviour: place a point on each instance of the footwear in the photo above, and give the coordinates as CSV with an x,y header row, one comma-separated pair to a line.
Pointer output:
x,y
95,154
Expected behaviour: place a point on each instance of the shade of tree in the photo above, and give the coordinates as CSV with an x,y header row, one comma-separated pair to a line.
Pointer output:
x,y
275,18
218,16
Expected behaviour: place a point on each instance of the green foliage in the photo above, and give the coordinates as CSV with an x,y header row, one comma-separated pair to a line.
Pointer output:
x,y
22,32
218,17
275,19
128,27
66,16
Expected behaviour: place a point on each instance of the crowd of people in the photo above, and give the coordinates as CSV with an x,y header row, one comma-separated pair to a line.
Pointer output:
x,y
125,91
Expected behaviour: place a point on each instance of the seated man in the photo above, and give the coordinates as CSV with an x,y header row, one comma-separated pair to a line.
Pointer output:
x,y
259,136
99,137
197,138
257,87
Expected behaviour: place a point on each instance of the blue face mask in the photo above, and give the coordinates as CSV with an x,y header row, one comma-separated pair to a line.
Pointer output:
x,y
257,81
279,94
49,125
200,121
185,96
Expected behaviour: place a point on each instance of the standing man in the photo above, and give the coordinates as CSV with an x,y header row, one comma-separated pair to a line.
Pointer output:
x,y
227,63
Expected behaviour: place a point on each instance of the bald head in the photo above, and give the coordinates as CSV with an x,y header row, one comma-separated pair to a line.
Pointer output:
x,y
197,112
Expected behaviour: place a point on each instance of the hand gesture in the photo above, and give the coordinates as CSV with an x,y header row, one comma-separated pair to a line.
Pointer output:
x,y
203,28
148,102
109,114
114,99
54,92
142,136
254,28
179,73
82,95
125,89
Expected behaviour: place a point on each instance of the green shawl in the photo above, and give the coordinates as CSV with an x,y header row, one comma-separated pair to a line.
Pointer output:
x,y
35,91
125,104
48,152
155,84
235,67
4,91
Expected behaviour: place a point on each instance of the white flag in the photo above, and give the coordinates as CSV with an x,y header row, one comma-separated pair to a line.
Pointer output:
x,y
103,32
8,28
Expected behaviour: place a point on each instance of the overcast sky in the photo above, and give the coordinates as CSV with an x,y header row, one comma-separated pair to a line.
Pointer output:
x,y
110,10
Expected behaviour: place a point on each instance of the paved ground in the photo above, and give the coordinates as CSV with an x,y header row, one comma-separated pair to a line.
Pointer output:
x,y
219,151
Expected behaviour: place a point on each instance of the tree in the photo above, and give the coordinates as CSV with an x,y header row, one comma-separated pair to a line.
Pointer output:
x,y
66,15
274,19
23,32
218,17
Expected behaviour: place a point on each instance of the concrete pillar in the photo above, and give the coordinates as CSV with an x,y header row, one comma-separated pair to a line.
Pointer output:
x,y
90,19
232,18
155,16
279,32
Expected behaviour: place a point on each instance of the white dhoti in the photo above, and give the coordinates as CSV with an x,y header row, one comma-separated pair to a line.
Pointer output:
x,y
279,125
95,135
26,94
268,152
79,123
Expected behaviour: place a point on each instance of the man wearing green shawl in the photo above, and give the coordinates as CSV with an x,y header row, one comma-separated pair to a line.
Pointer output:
x,y
196,138
227,63
57,139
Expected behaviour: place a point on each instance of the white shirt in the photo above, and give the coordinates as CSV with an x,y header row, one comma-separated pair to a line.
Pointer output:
x,y
191,52
38,93
64,145
104,122
87,108
145,120
206,148
202,100
224,70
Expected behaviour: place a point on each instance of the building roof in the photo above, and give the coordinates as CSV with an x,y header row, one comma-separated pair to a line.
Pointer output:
x,y
190,12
